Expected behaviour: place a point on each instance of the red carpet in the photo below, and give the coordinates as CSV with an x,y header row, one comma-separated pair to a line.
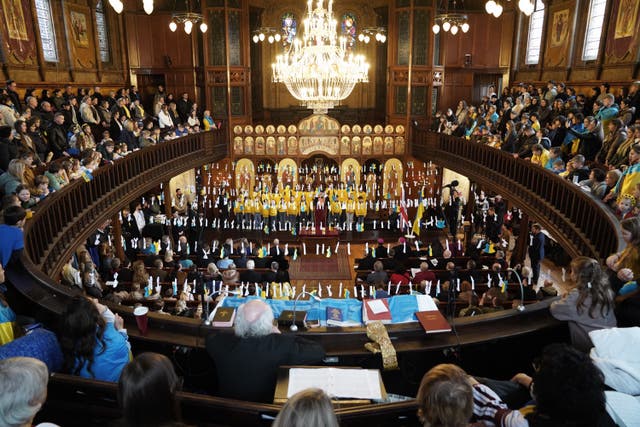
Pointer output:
x,y
318,267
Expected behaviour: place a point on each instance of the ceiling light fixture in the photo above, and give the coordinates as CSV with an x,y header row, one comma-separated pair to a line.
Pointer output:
x,y
451,20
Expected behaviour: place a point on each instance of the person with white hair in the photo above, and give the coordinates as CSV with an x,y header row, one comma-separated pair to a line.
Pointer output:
x,y
23,381
250,275
247,361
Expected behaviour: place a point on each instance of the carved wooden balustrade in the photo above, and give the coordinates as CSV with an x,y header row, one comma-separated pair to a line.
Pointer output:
x,y
71,215
580,223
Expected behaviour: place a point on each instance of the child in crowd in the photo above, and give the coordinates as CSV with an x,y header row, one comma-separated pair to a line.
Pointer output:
x,y
42,187
24,195
625,207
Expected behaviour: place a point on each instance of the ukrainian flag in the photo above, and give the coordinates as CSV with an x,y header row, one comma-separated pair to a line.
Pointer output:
x,y
416,224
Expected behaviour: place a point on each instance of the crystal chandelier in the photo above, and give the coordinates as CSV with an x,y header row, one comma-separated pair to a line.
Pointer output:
x,y
320,71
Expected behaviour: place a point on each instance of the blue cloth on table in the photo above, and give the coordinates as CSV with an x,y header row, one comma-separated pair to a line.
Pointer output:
x,y
403,308
40,344
316,310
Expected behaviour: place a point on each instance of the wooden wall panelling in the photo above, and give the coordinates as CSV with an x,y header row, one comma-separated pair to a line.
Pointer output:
x,y
78,59
507,37
618,61
458,84
153,49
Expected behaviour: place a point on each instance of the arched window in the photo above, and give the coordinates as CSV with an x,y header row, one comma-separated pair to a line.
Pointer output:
x,y
103,34
289,28
536,21
593,33
47,33
349,30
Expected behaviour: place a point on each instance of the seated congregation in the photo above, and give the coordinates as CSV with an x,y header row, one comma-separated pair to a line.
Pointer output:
x,y
186,275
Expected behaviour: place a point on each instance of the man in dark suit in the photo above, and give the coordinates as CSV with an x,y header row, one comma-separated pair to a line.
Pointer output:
x,y
536,250
381,251
250,275
259,350
402,250
271,275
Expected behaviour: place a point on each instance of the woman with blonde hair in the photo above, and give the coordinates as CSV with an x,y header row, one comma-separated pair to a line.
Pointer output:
x,y
589,305
140,275
13,177
307,408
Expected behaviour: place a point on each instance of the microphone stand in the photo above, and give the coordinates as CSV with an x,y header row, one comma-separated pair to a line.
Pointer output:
x,y
294,327
521,306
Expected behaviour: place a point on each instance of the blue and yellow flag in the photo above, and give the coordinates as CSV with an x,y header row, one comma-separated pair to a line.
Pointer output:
x,y
416,224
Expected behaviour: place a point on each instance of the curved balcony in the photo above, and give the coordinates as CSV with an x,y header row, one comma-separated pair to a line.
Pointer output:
x,y
69,216
580,223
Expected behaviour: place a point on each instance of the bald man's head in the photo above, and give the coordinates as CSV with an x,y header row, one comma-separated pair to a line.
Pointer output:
x,y
254,319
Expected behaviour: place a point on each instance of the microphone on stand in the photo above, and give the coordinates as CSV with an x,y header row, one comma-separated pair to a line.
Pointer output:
x,y
294,327
521,306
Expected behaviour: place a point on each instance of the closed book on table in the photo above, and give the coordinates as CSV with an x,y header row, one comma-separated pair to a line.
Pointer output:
x,y
335,317
433,321
224,317
286,318
376,309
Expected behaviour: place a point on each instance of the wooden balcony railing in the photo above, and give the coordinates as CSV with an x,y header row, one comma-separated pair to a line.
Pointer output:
x,y
71,215
580,223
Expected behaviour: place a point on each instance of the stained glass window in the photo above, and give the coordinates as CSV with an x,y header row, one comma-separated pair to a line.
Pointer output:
x,y
349,30
289,28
